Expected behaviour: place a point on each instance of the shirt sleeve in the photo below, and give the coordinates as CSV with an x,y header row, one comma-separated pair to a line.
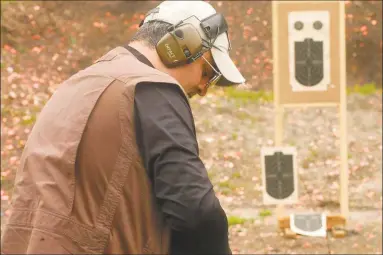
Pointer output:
x,y
167,142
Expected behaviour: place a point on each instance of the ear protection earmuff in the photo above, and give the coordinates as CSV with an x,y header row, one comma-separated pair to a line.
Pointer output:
x,y
183,43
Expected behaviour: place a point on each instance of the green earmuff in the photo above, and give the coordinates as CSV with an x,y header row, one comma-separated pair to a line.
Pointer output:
x,y
181,45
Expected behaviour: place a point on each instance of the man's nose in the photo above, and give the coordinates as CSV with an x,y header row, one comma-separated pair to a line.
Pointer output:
x,y
202,92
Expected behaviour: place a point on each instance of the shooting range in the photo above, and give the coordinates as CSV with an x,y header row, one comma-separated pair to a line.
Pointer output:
x,y
294,155
309,70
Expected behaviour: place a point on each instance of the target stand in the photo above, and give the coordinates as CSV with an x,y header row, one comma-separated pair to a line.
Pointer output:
x,y
309,70
312,225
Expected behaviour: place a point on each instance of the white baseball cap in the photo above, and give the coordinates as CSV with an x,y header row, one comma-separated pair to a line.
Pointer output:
x,y
193,12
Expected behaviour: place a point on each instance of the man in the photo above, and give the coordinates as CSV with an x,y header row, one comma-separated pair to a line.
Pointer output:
x,y
111,165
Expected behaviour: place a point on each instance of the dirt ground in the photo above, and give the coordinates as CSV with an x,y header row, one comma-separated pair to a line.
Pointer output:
x,y
265,240
364,236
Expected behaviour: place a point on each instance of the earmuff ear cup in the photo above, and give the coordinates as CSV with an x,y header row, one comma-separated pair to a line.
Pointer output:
x,y
169,51
180,46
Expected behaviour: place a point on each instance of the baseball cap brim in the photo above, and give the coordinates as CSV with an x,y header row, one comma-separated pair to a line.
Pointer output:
x,y
231,74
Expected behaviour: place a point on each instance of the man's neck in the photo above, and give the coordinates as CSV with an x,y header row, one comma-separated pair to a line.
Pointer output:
x,y
152,56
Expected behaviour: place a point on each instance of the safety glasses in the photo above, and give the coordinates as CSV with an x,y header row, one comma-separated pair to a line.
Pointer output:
x,y
213,81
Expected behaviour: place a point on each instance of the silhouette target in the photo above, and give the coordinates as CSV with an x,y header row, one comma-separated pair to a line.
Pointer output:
x,y
309,62
279,175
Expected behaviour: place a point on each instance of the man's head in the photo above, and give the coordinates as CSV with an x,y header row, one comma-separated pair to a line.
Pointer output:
x,y
189,41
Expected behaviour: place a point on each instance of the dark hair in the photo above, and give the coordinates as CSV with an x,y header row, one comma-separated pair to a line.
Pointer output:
x,y
151,33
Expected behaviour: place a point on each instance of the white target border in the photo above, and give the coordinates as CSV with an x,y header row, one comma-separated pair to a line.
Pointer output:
x,y
309,33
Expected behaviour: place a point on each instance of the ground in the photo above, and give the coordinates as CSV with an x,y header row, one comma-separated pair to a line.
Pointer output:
x,y
233,126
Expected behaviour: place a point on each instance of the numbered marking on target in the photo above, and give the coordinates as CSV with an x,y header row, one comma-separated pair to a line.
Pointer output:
x,y
279,175
311,224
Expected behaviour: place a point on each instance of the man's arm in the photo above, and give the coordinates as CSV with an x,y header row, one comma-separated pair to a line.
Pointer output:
x,y
168,145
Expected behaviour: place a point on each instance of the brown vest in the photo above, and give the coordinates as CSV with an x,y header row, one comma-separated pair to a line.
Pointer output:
x,y
81,186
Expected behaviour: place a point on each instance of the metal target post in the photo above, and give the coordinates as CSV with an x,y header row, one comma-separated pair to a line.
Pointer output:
x,y
319,25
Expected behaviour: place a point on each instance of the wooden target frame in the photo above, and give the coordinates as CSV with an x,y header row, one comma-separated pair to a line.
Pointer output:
x,y
332,94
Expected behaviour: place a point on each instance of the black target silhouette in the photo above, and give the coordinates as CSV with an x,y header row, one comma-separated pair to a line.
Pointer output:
x,y
309,62
279,175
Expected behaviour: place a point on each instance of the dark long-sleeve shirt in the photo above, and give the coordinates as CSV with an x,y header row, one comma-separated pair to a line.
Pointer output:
x,y
166,139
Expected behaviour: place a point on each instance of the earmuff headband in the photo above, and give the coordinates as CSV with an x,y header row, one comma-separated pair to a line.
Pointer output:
x,y
184,44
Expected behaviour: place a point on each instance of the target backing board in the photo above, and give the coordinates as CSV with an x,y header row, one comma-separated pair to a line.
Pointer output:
x,y
279,175
308,45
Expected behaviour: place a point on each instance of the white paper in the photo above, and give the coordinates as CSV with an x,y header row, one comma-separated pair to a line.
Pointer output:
x,y
308,18
322,232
